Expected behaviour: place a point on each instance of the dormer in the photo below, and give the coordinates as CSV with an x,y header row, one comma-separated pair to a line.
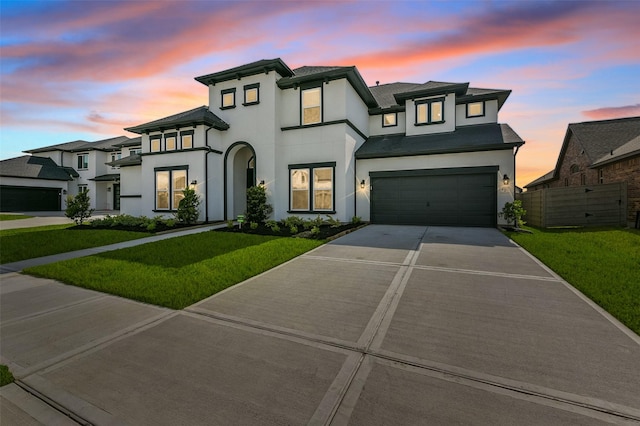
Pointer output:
x,y
479,106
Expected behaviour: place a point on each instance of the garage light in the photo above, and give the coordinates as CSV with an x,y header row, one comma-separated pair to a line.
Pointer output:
x,y
362,184
505,179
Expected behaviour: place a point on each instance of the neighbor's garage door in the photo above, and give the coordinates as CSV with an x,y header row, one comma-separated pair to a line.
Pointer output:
x,y
24,198
450,197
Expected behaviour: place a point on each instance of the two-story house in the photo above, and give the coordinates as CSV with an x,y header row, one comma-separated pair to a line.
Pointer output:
x,y
323,143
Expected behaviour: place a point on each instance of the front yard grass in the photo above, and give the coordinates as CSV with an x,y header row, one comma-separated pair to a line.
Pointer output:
x,y
13,216
180,271
604,264
29,243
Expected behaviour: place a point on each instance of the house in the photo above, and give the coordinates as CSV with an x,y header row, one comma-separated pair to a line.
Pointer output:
x,y
65,169
599,152
323,143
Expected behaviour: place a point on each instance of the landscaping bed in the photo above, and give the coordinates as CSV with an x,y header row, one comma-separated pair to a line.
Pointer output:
x,y
324,232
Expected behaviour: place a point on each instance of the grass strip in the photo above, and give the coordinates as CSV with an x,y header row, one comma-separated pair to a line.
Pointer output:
x,y
5,375
604,264
29,243
4,217
180,271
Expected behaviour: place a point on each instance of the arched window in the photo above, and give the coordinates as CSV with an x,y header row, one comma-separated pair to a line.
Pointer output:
x,y
574,168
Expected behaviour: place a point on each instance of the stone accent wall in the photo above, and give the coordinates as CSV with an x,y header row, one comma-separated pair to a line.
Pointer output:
x,y
627,170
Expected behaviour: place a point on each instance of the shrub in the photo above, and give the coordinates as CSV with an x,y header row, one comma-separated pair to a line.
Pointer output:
x,y
188,207
230,224
257,208
78,207
315,231
293,229
253,225
334,223
273,225
513,213
293,221
318,221
356,220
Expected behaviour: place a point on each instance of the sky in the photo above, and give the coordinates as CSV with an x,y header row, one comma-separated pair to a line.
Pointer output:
x,y
85,70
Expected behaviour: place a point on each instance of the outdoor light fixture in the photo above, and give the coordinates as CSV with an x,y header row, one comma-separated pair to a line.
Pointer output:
x,y
262,182
195,182
362,184
505,179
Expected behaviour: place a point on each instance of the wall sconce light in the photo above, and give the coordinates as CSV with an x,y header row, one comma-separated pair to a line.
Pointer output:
x,y
194,182
505,179
362,184
108,189
64,192
262,182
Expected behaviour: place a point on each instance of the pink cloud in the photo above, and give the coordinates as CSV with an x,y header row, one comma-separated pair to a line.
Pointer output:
x,y
613,112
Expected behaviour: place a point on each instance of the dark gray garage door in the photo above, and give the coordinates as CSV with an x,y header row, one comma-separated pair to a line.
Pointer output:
x,y
448,197
28,199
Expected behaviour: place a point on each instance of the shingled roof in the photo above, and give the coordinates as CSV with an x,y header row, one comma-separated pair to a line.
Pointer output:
x,y
110,144
193,117
481,137
33,167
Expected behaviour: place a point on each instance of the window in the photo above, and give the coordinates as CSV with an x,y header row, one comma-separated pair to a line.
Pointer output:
x,y
133,151
601,175
574,168
566,181
251,95
83,161
82,188
430,111
583,179
311,105
312,187
169,187
228,98
475,109
116,156
170,142
186,139
390,119
155,144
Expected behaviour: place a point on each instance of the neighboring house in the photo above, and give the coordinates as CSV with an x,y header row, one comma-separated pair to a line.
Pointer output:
x,y
30,183
597,152
89,172
323,143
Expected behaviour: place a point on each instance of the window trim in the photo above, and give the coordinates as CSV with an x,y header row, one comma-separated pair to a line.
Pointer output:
x,y
171,191
248,87
302,91
475,115
173,135
83,155
428,103
395,122
186,133
311,206
153,138
83,187
226,92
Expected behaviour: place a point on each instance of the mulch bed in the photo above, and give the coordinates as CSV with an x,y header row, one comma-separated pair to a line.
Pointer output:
x,y
326,231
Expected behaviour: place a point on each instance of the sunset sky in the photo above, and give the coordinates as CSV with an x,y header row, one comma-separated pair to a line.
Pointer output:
x,y
86,69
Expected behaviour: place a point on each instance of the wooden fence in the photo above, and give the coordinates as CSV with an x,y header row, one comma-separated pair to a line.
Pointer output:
x,y
591,205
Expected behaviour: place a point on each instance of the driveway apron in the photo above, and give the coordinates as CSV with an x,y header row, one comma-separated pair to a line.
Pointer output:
x,y
386,325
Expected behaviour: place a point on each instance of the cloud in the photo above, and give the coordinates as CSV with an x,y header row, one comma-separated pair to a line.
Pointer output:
x,y
613,112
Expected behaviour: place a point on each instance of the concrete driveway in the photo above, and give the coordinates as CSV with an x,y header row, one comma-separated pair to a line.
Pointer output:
x,y
388,325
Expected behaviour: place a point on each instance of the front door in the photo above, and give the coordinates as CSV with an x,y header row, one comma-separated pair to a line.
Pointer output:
x,y
116,196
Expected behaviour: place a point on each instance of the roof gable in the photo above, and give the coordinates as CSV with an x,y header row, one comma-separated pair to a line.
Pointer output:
x,y
253,68
33,167
193,117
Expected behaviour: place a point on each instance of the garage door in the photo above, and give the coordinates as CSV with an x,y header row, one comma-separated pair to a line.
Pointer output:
x,y
28,199
449,197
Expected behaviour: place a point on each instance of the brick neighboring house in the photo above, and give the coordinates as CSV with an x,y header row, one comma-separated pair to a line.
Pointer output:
x,y
598,152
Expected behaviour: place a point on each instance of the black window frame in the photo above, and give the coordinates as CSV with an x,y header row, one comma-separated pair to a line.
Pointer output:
x,y
429,102
390,125
173,135
311,167
303,89
248,87
224,92
184,133
159,139
170,169
484,109
82,156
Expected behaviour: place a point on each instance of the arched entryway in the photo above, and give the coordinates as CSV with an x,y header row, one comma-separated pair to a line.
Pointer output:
x,y
239,174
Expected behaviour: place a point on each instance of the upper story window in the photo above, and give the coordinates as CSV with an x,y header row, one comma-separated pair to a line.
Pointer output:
x,y
83,188
186,139
155,144
390,119
170,142
133,151
475,109
83,161
114,157
228,98
311,105
430,111
251,94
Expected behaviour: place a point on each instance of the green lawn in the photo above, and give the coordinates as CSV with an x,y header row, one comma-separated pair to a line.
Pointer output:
x,y
179,271
5,375
604,264
28,243
13,217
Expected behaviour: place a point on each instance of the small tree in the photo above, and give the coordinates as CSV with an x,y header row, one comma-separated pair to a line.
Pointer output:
x,y
188,207
78,207
257,208
513,213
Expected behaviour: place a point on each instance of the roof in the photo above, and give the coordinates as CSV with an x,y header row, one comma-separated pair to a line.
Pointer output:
x,y
131,142
599,138
110,144
131,160
33,167
542,179
432,88
58,147
475,94
110,177
261,66
193,117
630,149
482,137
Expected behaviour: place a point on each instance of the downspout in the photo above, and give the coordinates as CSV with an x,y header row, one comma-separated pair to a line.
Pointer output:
x,y
355,186
206,174
514,181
